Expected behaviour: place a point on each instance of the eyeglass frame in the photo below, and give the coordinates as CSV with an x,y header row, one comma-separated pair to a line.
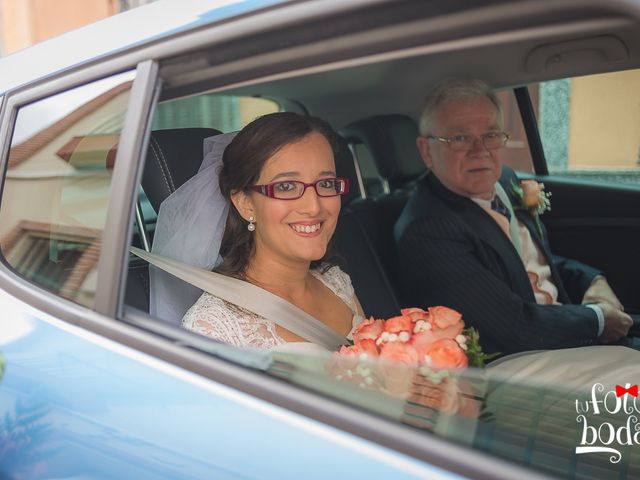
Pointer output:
x,y
267,188
482,137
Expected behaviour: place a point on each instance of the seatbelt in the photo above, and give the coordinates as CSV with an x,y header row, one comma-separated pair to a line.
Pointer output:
x,y
250,297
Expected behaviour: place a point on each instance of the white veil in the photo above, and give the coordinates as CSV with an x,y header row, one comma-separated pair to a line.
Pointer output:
x,y
189,229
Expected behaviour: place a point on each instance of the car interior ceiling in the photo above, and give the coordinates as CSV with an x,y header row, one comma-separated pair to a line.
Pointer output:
x,y
363,103
344,94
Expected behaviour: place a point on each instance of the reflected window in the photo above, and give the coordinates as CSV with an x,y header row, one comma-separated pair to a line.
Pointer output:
x,y
222,112
57,185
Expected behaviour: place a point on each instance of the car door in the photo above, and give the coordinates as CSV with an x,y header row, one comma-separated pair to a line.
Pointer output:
x,y
87,393
93,388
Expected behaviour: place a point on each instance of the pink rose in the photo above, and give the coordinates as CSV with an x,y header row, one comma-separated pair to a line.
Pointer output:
x,y
398,369
398,324
368,329
530,193
365,346
446,353
399,352
447,321
416,314
423,340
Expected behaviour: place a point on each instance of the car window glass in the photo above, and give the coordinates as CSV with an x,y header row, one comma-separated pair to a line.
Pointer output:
x,y
589,126
56,188
516,152
533,425
499,411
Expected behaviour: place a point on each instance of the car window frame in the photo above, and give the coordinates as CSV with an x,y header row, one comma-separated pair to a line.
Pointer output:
x,y
132,146
108,272
530,122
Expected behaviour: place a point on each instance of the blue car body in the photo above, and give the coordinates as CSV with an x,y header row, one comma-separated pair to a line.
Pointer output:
x,y
77,405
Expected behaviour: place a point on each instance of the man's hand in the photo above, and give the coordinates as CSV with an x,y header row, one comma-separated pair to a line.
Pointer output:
x,y
600,292
616,323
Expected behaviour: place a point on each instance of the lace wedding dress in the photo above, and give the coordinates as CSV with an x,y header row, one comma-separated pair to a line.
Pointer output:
x,y
219,319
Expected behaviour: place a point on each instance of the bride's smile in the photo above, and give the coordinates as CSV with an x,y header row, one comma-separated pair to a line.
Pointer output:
x,y
306,229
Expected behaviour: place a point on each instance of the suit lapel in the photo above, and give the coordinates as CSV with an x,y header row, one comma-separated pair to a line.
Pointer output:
x,y
487,230
509,177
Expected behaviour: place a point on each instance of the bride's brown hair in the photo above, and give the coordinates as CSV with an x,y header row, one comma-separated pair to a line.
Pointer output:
x,y
242,163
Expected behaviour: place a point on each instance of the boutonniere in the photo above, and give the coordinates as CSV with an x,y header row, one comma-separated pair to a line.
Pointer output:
x,y
530,196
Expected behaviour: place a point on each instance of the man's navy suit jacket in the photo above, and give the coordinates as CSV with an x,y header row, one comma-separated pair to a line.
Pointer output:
x,y
451,252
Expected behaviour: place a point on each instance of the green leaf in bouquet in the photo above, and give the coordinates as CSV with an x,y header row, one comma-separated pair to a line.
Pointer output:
x,y
475,355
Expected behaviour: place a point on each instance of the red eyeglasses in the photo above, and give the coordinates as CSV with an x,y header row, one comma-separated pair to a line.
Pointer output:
x,y
293,189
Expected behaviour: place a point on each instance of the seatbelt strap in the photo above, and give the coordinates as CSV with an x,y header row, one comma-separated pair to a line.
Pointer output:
x,y
250,297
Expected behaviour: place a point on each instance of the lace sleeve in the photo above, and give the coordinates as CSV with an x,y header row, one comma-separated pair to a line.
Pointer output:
x,y
215,318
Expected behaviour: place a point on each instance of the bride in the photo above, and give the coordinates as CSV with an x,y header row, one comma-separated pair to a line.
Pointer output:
x,y
279,176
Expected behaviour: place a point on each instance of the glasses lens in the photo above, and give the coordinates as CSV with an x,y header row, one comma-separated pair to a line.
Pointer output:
x,y
493,141
287,190
329,187
461,142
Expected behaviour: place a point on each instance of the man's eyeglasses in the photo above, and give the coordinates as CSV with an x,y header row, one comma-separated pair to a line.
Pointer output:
x,y
490,140
293,189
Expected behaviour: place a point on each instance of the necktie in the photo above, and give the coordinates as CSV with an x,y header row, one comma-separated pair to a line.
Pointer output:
x,y
498,206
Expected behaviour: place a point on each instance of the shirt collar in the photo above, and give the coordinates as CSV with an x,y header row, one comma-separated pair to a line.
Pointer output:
x,y
484,203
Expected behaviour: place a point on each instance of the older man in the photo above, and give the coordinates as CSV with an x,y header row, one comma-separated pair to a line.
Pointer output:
x,y
462,244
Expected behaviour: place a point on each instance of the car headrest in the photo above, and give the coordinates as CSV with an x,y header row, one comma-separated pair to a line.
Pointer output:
x,y
391,140
173,157
345,167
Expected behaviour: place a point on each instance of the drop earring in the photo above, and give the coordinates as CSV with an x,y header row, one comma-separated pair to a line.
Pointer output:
x,y
251,226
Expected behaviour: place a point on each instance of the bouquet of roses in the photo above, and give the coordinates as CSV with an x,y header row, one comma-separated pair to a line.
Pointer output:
x,y
416,354
435,338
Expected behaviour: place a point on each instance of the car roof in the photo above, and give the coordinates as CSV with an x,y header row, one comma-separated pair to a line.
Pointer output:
x,y
136,27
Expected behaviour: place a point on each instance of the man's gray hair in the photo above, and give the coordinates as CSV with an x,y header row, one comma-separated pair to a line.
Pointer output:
x,y
454,89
